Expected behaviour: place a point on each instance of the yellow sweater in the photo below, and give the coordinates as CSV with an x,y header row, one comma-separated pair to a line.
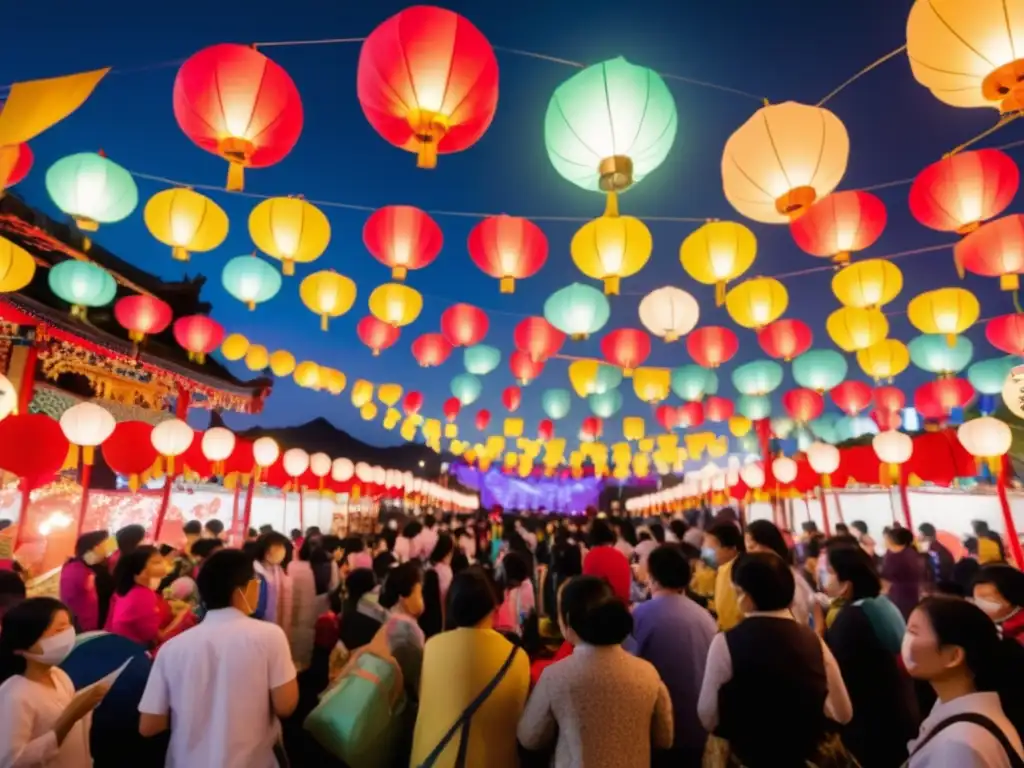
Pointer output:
x,y
726,605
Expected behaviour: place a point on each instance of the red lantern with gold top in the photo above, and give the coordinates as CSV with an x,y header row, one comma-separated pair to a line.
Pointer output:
x,y
995,249
712,346
511,398
546,429
483,418
538,338
936,399
402,237
376,334
142,315
852,397
627,348
509,248
718,409
667,416
785,339
129,451
464,325
962,190
839,224
199,335
690,415
431,349
451,408
803,405
889,398
886,420
523,368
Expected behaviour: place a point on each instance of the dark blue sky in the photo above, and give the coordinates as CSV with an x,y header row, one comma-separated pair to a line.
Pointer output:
x,y
799,50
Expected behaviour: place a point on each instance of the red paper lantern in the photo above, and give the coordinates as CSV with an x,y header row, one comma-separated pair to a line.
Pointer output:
x,y
451,408
20,166
995,249
129,450
431,349
143,315
376,334
427,81
785,339
839,224
718,409
712,345
511,398
889,398
199,335
508,248
936,399
32,446
689,415
885,420
483,418
546,429
627,348
667,416
852,397
538,338
523,368
962,190
1006,333
803,405
233,101
591,428
194,459
412,403
241,460
463,325
402,237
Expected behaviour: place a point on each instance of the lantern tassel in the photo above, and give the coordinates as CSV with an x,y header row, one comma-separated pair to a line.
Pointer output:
x,y
507,285
136,336
86,224
719,293
612,285
89,455
71,460
133,483
1009,282
287,267
179,253
951,339
399,272
251,305
611,205
236,177
324,320
842,258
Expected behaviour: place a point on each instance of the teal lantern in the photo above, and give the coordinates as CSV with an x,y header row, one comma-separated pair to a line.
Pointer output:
x,y
754,407
578,310
556,403
610,125
748,443
824,428
481,359
932,352
804,440
82,284
92,189
850,427
819,369
251,280
467,388
782,427
608,378
605,404
693,383
989,376
757,378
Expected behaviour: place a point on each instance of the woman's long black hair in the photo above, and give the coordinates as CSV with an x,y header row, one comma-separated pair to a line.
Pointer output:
x,y
130,565
23,625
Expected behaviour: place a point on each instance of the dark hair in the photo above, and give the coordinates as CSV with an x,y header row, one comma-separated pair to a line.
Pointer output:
x,y
627,530
313,530
412,529
927,530
192,528
295,534
856,566
360,582
842,529
980,527
268,540
658,532
11,584
429,521
809,526
252,533
728,536
382,564
165,549
130,565
1005,578
472,597
901,536
206,547
766,534
859,525
766,578
601,533
214,526
443,548
812,547
88,541
311,545
669,566
330,543
590,608
516,569
266,529
222,573
23,625
400,582
251,548
129,537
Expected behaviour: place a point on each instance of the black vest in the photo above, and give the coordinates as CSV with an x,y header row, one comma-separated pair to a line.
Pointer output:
x,y
772,711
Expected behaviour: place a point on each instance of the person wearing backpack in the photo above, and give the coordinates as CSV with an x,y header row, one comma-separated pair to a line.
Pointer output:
x,y
977,677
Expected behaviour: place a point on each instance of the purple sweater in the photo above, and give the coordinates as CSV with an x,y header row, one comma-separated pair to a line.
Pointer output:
x,y
78,592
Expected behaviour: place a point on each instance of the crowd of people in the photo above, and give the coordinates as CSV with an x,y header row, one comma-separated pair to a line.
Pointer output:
x,y
500,640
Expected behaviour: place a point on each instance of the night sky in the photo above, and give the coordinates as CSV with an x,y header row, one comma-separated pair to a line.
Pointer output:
x,y
794,50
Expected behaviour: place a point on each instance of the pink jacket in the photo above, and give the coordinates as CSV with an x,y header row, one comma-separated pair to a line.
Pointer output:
x,y
78,592
135,615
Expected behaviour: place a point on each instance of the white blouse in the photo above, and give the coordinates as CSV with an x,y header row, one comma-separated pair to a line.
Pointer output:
x,y
964,745
28,713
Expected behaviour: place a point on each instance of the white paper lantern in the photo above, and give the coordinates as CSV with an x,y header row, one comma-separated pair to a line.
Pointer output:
x,y
320,464
87,424
784,469
342,470
218,444
364,472
265,451
8,397
172,437
752,475
823,458
892,447
985,437
295,462
379,476
669,312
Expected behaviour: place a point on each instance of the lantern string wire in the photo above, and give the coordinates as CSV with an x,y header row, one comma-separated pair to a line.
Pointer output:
x,y
876,63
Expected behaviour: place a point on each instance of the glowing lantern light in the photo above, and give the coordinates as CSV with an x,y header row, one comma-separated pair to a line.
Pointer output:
x,y
605,404
427,81
739,425
282,363
467,388
633,428
757,302
291,230
368,411
611,247
171,438
362,393
782,159
627,348
19,158
265,451
995,249
652,385
327,294
431,349
752,476
464,325
840,224
87,425
785,339
545,430
884,360
948,311
889,398
413,403
893,447
251,280
342,470
759,377
577,310
936,399
333,380
185,220
868,284
692,382
803,405
669,312
964,189
307,376
754,407
931,353
819,369
396,304
556,403
989,377
376,334
1006,333
524,368
712,346
667,416
690,415
16,266
784,469
590,377
218,444
511,398
483,418
233,347
718,409
256,357
92,190
402,237
985,437
81,284
537,338
853,328
199,335
852,397
508,248
718,252
824,460
143,315
481,359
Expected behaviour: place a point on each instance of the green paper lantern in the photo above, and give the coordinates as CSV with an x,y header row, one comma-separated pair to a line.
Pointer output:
x,y
931,352
754,407
693,383
760,377
92,189
824,428
819,369
989,376
556,403
577,310
481,359
82,284
782,427
251,280
467,388
610,125
606,404
608,377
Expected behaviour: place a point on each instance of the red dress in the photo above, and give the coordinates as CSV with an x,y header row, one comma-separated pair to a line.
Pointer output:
x,y
1013,627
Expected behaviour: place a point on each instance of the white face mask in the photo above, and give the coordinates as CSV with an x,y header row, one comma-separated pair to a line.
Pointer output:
x,y
54,648
91,558
991,607
908,661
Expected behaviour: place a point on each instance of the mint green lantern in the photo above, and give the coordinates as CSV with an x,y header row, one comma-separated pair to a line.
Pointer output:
x,y
782,427
989,376
693,383
82,284
467,388
850,427
606,404
608,378
931,352
578,310
610,125
251,280
819,369
556,403
757,378
754,407
92,189
481,359
824,428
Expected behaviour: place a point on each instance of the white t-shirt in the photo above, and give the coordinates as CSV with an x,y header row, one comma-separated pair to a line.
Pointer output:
x,y
28,712
215,681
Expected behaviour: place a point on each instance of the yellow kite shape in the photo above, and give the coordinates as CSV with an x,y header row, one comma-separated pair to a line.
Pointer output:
x,y
36,105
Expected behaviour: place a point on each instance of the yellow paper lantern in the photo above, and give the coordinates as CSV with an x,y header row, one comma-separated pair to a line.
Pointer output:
x,y
16,266
884,360
757,302
633,428
641,465
234,347
583,376
717,252
185,220
739,426
495,445
389,394
395,304
368,411
256,357
611,247
307,374
451,431
782,159
652,385
868,284
332,380
645,444
282,363
856,328
948,311
327,294
513,427
408,430
291,230
362,393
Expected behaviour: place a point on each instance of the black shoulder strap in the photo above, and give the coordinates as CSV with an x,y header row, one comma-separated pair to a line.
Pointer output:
x,y
980,720
468,713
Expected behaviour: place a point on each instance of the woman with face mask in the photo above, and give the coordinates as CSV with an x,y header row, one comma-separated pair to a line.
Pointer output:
x,y
999,591
78,580
273,553
137,611
43,722
977,676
